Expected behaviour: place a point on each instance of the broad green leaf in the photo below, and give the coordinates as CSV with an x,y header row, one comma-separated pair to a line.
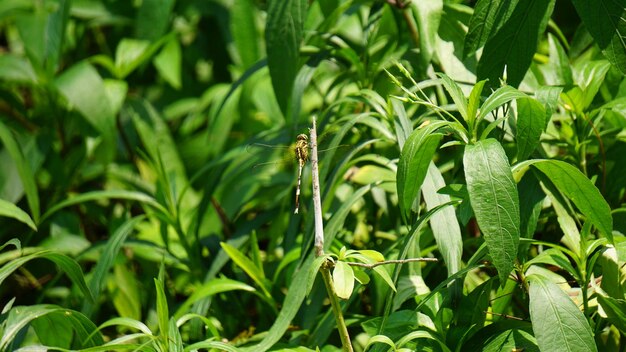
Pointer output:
x,y
53,330
427,16
615,310
578,188
26,176
65,263
343,279
456,93
488,18
153,18
558,323
590,78
244,32
283,34
498,98
248,266
106,260
416,155
13,211
84,90
494,198
16,69
606,22
530,124
21,316
169,64
130,53
515,43
444,223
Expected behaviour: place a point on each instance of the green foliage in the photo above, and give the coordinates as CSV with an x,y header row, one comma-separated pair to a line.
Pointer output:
x,y
488,136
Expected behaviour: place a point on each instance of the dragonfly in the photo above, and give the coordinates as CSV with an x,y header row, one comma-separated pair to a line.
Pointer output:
x,y
298,152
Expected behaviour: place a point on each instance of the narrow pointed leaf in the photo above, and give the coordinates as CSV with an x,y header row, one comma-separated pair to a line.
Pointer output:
x,y
416,155
578,188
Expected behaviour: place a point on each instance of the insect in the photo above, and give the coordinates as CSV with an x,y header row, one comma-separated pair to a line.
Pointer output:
x,y
302,155
298,153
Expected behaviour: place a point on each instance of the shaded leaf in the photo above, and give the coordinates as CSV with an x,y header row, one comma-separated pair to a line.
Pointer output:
x,y
530,124
488,18
606,22
515,43
283,34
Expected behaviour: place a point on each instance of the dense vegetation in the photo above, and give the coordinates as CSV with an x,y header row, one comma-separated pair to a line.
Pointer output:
x,y
472,169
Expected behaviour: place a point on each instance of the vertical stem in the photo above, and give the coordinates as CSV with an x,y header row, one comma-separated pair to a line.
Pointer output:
x,y
319,245
317,200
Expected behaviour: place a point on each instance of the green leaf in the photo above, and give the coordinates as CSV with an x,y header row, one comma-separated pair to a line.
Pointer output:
x,y
14,68
108,194
474,102
11,210
65,263
26,176
162,310
495,201
456,93
382,272
515,43
530,123
107,258
244,32
428,17
615,310
549,97
488,18
211,288
84,90
558,324
343,279
590,79
606,22
283,34
248,266
153,18
498,98
444,223
42,33
131,53
20,316
127,322
416,155
168,63
578,188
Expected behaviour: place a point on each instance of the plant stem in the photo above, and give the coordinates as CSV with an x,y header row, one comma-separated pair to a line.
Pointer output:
x,y
334,302
319,245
